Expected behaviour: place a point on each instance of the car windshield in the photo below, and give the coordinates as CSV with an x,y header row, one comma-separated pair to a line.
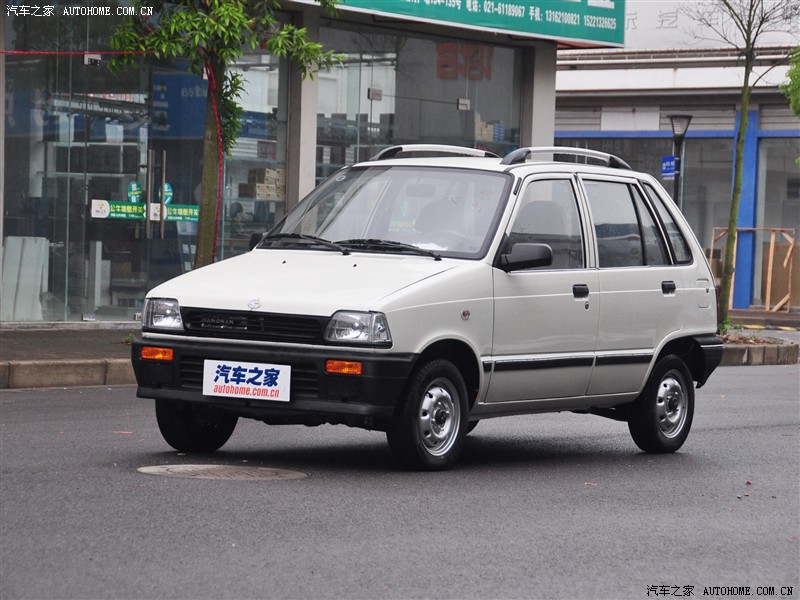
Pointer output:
x,y
400,209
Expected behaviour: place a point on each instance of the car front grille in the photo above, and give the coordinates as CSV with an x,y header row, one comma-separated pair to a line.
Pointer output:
x,y
266,327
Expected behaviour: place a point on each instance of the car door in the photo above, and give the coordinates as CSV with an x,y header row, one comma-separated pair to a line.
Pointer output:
x,y
545,318
641,296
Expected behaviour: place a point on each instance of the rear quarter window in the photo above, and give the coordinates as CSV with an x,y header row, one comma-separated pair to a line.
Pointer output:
x,y
680,248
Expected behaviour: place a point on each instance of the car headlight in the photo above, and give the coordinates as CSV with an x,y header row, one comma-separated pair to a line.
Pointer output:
x,y
358,328
162,313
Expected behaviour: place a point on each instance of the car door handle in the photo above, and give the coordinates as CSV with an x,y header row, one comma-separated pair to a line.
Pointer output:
x,y
580,290
668,287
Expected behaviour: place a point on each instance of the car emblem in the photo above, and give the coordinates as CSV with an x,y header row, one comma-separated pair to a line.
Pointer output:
x,y
254,303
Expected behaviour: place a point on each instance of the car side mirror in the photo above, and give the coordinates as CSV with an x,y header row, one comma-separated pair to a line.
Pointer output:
x,y
526,256
255,239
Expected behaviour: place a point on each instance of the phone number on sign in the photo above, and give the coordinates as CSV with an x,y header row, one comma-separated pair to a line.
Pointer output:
x,y
503,8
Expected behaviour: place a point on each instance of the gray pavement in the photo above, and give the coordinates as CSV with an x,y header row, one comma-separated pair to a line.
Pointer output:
x,y
551,506
79,343
36,355
56,355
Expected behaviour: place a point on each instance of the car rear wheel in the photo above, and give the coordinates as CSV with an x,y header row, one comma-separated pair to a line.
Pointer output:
x,y
428,428
189,428
661,417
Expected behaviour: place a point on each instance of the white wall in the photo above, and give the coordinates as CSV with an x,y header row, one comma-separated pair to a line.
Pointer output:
x,y
666,24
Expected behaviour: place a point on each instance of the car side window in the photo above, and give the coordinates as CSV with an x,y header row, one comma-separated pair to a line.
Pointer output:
x,y
549,215
655,250
619,238
680,247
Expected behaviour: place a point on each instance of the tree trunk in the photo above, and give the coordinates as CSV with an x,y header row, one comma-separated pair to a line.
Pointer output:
x,y
210,178
733,220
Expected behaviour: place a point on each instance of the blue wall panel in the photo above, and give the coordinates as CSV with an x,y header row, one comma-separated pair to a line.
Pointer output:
x,y
745,253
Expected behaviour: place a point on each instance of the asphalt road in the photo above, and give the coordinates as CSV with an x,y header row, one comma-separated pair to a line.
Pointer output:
x,y
548,506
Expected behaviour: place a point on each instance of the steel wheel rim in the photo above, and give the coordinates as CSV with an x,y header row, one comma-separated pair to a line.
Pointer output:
x,y
671,406
439,417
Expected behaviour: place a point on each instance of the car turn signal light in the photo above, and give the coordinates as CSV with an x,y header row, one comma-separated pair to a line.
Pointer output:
x,y
343,367
155,353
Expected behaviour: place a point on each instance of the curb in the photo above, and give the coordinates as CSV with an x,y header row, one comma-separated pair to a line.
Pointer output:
x,y
734,355
65,373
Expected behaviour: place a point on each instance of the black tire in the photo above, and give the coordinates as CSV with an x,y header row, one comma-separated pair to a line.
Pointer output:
x,y
189,428
428,427
472,425
661,416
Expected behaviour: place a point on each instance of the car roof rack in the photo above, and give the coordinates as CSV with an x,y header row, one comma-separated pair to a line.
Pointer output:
x,y
521,155
393,151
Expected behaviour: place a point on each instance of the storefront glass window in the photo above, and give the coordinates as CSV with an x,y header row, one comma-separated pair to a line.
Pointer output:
x,y
777,214
397,89
707,184
85,148
707,173
642,154
81,145
254,195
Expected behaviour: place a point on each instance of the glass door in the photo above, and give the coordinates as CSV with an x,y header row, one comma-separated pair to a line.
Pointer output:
x,y
110,158
84,151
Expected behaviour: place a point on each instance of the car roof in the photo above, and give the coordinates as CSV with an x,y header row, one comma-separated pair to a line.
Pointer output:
x,y
433,155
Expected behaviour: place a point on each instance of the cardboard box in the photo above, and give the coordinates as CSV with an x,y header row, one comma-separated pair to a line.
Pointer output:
x,y
259,191
247,190
261,175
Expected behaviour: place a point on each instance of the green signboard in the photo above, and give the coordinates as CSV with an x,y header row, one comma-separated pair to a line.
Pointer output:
x,y
107,209
167,194
594,21
178,212
134,192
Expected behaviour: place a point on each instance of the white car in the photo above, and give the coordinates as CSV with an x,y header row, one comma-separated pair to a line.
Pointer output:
x,y
418,295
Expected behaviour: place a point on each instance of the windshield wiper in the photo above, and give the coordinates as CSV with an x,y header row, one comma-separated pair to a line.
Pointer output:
x,y
374,244
308,238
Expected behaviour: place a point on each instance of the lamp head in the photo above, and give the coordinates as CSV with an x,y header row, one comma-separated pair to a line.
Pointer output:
x,y
680,124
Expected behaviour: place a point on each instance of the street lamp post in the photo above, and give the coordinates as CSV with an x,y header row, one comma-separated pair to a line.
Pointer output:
x,y
680,124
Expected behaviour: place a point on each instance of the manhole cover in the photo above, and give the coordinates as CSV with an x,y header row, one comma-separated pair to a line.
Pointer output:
x,y
222,472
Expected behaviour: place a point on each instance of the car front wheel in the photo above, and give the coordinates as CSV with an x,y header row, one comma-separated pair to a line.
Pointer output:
x,y
189,428
661,417
428,429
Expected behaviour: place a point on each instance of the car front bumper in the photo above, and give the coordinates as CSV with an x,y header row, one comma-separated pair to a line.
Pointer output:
x,y
367,400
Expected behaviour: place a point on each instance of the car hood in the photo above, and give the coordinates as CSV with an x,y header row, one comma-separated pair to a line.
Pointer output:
x,y
300,281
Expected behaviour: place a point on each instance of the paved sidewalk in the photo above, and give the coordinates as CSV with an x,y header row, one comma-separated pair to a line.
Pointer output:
x,y
91,354
760,319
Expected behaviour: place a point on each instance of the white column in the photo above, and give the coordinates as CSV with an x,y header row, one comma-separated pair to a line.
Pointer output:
x,y
302,123
538,117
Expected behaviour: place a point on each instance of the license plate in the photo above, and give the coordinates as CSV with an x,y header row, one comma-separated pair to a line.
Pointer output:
x,y
256,381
